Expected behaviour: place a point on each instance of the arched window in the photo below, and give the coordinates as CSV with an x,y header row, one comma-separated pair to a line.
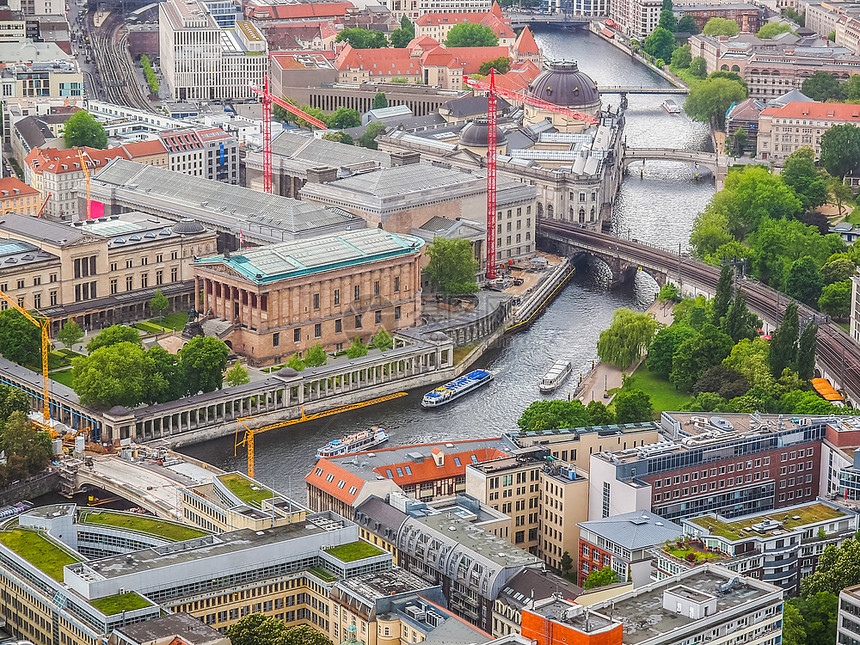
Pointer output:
x,y
725,68
581,215
549,211
592,214
540,210
735,68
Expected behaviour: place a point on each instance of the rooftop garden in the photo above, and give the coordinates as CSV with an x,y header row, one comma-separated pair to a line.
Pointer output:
x,y
39,551
692,551
322,574
118,603
736,530
246,489
354,551
172,531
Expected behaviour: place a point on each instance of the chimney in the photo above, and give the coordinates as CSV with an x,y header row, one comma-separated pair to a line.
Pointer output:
x,y
404,158
321,174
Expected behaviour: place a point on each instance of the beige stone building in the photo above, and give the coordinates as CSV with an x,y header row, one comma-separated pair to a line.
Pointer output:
x,y
18,197
783,130
284,298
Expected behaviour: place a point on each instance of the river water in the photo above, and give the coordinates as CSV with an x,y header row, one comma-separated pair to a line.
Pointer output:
x,y
657,208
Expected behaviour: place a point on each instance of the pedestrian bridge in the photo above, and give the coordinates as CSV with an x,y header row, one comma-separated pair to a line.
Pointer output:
x,y
709,160
639,89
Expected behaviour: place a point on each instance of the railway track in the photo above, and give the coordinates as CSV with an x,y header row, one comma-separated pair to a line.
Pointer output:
x,y
118,80
835,350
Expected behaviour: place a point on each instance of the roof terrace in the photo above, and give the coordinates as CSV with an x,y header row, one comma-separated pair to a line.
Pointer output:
x,y
39,550
171,531
768,523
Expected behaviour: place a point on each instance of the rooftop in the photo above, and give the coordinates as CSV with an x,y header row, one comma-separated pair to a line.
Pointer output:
x,y
14,187
319,152
192,630
786,519
118,603
354,551
14,253
42,552
167,530
382,584
246,489
42,230
849,112
637,530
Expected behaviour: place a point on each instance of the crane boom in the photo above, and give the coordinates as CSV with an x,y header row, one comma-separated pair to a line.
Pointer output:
x,y
44,203
43,324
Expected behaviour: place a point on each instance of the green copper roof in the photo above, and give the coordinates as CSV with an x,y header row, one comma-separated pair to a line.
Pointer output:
x,y
314,255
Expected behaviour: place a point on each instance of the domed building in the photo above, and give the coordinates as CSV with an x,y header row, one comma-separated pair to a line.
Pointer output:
x,y
474,137
563,84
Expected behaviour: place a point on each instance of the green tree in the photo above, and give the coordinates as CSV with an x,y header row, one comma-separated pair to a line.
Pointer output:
x,y
553,415
357,349
751,359
724,381
668,20
721,27
257,629
840,149
316,113
687,25
835,299
723,294
740,138
400,38
778,243
837,569
662,349
283,115
783,342
838,267
633,406
166,378
112,375
600,578
113,335
840,192
502,65
338,137
809,183
750,196
315,356
709,232
669,293
407,25
740,322
697,354
708,402
452,266
471,34
793,631
237,375
158,304
295,362
566,562
382,340
368,139
82,130
629,334
11,400
732,76
70,333
27,450
681,57
344,118
660,44
305,635
380,100
772,29
709,100
822,86
699,67
851,89
806,352
804,281
819,612
20,339
363,38
203,360
832,36
599,414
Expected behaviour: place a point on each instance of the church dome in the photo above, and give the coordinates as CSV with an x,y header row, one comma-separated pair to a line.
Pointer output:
x,y
561,83
475,134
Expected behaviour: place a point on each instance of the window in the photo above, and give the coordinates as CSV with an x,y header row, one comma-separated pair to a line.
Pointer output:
x,y
21,284
113,287
129,264
377,317
297,335
338,326
144,280
356,292
37,300
376,288
358,321
37,280
337,296
129,283
316,301
159,276
144,261
397,313
53,298
318,330
276,339
174,274
159,257
396,283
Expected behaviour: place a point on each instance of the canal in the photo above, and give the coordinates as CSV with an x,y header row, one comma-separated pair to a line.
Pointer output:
x,y
657,208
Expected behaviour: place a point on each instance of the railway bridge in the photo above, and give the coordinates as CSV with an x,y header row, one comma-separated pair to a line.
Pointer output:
x,y
565,20
837,355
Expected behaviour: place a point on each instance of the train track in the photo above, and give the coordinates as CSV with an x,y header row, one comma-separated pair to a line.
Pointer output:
x,y
835,350
118,79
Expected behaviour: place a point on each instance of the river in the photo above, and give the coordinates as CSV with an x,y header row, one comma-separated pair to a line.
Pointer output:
x,y
657,208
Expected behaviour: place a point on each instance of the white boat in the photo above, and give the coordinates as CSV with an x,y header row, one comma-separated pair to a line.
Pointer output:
x,y
557,375
357,442
671,107
456,388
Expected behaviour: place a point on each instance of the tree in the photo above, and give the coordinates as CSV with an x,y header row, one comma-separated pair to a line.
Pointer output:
x,y
600,578
663,347
471,34
82,130
158,304
809,183
660,44
315,356
344,118
380,100
166,378
819,615
793,631
668,20
709,232
723,294
778,243
382,340
840,192
838,568
697,354
113,335
70,333
257,629
629,334
112,375
750,359
566,562
686,25
633,406
316,113
282,114
806,352
32,449
783,342
822,86
553,415
400,38
203,361
12,399
305,635
681,57
407,25
741,137
740,322
752,195
840,149
669,293
699,67
772,29
502,65
724,381
851,89
452,266
732,76
295,362
838,267
237,375
363,38
709,100
599,414
804,281
20,339
338,137
708,402
721,27
835,299
357,349
368,139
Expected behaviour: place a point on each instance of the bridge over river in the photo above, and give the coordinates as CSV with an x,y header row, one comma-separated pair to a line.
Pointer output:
x,y
565,20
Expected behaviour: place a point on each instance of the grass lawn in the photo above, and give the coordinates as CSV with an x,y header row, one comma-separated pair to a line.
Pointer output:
x,y
38,551
143,524
62,376
241,487
686,76
853,216
354,551
150,328
322,574
176,320
682,553
461,352
111,605
735,530
663,394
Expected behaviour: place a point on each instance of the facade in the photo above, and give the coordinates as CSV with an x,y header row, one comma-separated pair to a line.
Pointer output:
x,y
17,197
39,70
166,630
636,18
204,152
822,17
284,298
520,593
414,9
749,17
784,130
437,25
848,620
745,116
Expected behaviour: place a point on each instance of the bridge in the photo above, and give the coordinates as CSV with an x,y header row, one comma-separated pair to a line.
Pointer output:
x,y
717,164
837,355
638,89
519,20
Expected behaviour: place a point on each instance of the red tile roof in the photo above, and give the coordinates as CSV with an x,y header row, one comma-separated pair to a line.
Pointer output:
x,y
428,470
62,161
9,186
379,62
827,111
526,43
143,148
331,478
469,59
180,140
298,11
492,19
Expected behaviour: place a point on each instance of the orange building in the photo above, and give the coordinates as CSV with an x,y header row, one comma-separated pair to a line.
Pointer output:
x,y
18,197
561,622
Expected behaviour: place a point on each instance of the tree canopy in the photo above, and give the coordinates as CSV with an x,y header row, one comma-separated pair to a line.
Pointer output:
x,y
363,38
203,361
803,281
552,415
112,375
452,266
822,86
772,29
380,100
668,20
82,130
721,27
502,65
471,34
783,342
808,182
339,137
633,406
660,44
681,57
698,67
627,337
20,339
237,375
709,100
113,335
687,25
344,118
835,299
840,149
158,304
600,578
368,139
70,333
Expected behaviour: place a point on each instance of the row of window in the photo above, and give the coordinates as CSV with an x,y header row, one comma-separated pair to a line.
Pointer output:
x,y
144,280
338,326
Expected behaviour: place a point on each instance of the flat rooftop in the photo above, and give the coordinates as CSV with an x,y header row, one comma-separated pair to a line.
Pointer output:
x,y
373,586
16,253
786,519
40,550
149,524
572,434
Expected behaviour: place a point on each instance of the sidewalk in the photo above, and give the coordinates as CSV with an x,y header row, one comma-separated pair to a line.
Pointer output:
x,y
604,377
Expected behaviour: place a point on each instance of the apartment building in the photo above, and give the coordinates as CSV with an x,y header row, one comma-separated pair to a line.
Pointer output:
x,y
848,619
37,7
436,25
38,70
414,9
821,17
17,197
207,152
783,130
636,18
520,593
779,547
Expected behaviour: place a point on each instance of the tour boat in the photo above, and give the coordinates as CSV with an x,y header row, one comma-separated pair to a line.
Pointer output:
x,y
358,442
456,388
557,375
671,107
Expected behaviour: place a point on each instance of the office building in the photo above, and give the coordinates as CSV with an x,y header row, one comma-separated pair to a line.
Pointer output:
x,y
203,152
783,130
38,70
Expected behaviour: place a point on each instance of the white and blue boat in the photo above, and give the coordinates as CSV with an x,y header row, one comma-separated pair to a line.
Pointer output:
x,y
358,442
456,388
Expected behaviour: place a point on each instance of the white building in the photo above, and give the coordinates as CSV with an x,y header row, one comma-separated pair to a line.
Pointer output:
x,y
38,7
201,60
414,9
848,621
636,18
38,70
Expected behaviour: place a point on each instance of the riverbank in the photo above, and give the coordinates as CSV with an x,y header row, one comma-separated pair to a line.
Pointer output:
x,y
616,42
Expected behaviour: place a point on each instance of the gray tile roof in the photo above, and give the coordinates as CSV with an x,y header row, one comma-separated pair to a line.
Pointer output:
x,y
191,629
375,509
412,178
637,530
320,152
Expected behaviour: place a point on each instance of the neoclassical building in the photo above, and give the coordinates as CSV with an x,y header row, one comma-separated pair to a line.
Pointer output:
x,y
284,298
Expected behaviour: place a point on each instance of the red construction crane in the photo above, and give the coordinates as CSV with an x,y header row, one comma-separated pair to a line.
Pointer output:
x,y
493,93
266,99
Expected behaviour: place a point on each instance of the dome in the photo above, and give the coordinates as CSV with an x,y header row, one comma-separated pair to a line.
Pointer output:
x,y
286,372
475,134
438,335
187,226
118,411
563,84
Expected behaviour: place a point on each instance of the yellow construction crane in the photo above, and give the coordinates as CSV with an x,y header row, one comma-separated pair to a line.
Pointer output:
x,y
44,324
87,177
248,435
